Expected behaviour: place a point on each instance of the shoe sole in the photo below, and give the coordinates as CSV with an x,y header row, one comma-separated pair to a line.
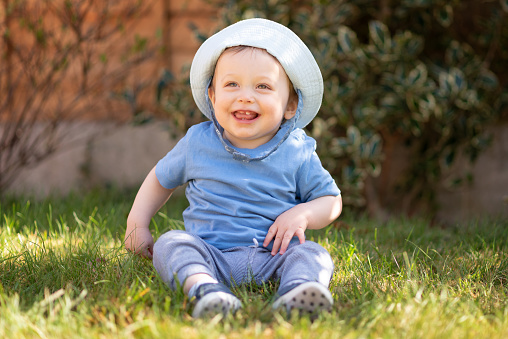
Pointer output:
x,y
216,303
307,298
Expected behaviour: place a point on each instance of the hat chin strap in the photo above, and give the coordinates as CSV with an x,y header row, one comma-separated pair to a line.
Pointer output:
x,y
286,128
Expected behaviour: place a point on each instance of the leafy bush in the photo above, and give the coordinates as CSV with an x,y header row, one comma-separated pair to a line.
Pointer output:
x,y
427,74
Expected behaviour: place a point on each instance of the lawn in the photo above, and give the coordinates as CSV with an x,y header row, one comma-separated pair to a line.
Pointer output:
x,y
65,274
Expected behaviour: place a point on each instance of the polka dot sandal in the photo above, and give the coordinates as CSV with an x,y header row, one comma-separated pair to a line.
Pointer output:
x,y
308,298
213,299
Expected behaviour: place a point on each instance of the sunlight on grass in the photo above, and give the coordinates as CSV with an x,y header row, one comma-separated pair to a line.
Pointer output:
x,y
65,274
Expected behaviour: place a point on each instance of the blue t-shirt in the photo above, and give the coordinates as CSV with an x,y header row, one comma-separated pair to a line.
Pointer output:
x,y
233,202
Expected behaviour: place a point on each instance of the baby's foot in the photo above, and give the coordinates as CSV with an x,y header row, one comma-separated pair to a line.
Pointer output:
x,y
212,299
307,298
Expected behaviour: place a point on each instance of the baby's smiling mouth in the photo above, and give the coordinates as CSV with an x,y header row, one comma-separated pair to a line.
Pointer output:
x,y
245,115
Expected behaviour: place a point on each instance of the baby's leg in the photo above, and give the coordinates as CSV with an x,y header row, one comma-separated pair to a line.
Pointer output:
x,y
180,257
304,274
307,262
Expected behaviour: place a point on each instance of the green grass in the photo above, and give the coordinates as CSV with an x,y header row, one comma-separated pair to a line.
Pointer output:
x,y
65,274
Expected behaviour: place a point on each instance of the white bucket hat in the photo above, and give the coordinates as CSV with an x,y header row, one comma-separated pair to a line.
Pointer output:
x,y
276,39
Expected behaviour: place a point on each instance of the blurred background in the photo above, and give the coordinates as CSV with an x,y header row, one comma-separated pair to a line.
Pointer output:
x,y
413,122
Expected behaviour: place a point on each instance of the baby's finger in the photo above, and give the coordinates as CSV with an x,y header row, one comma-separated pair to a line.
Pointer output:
x,y
269,236
276,245
301,235
149,253
285,244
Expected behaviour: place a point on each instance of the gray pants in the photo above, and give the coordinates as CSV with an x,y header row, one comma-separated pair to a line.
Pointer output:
x,y
178,255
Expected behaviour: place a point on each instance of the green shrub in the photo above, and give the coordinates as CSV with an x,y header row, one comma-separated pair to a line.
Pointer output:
x,y
427,74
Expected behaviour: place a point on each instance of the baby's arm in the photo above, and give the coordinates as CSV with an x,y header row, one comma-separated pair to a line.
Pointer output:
x,y
150,198
314,214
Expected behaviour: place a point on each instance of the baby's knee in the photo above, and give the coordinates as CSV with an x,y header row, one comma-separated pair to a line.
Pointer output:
x,y
316,251
311,246
172,252
169,244
171,238
173,235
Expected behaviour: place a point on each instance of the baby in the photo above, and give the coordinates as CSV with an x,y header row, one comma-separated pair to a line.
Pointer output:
x,y
254,181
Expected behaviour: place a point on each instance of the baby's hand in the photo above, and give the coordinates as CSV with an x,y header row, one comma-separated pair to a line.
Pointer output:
x,y
286,226
140,241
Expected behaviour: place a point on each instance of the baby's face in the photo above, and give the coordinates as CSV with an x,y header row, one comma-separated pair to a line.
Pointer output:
x,y
250,95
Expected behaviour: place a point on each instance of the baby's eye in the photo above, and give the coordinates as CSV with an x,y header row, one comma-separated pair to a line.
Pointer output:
x,y
263,86
231,84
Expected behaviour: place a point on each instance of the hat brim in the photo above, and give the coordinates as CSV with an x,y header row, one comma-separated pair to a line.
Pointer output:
x,y
282,43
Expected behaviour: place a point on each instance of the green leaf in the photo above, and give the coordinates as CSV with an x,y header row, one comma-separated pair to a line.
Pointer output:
x,y
410,45
467,100
487,79
444,15
454,53
427,105
452,82
140,44
354,136
339,110
361,56
390,102
364,151
337,147
375,145
345,11
428,102
380,35
459,79
327,44
350,71
103,58
412,102
347,39
342,142
417,76
374,168
400,74
346,90
349,173
461,54
415,128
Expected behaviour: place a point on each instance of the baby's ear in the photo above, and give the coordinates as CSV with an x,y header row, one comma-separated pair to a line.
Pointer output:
x,y
211,95
291,107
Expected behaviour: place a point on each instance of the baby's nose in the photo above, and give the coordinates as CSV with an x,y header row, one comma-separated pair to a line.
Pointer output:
x,y
245,96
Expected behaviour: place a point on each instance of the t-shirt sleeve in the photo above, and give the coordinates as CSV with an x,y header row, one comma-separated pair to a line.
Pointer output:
x,y
171,170
314,181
